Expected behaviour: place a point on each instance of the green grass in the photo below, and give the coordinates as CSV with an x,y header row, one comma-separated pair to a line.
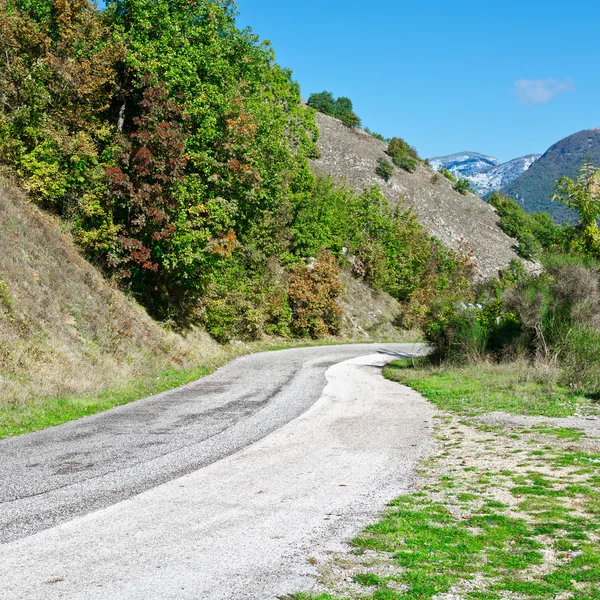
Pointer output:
x,y
26,417
487,387
18,419
442,540
502,511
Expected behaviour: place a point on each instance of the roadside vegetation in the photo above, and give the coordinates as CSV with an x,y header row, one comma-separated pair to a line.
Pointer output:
x,y
166,145
507,505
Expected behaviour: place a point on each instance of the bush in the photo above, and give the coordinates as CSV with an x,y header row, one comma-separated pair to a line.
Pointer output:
x,y
551,317
406,162
404,156
463,186
534,232
384,168
341,108
313,296
448,175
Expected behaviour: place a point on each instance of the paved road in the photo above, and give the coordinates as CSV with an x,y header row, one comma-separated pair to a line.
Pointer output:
x,y
57,474
244,526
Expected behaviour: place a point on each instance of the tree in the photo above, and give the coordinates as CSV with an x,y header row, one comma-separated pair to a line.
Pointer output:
x,y
583,195
344,112
341,108
323,102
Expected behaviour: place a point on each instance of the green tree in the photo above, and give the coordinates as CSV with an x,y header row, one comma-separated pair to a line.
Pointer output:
x,y
323,102
345,113
583,195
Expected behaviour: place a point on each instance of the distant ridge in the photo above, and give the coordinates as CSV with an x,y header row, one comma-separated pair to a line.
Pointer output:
x,y
534,188
485,173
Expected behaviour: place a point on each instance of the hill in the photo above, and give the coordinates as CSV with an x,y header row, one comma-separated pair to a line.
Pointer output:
x,y
64,329
68,332
485,173
534,188
350,156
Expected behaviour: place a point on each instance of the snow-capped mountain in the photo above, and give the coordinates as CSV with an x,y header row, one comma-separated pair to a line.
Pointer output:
x,y
485,173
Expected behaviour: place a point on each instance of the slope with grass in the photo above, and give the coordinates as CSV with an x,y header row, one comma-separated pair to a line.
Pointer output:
x,y
72,343
64,330
350,156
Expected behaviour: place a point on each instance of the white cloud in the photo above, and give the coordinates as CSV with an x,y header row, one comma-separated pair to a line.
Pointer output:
x,y
541,91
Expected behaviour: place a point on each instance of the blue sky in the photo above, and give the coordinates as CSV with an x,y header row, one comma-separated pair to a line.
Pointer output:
x,y
502,78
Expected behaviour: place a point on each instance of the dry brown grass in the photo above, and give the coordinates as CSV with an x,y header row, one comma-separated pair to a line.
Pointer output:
x,y
64,329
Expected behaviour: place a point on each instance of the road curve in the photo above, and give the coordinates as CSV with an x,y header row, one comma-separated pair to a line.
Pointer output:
x,y
54,475
250,525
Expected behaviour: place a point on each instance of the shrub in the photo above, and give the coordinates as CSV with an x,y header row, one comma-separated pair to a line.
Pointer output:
x,y
406,162
534,232
247,299
581,359
340,108
384,168
313,296
448,175
463,186
404,156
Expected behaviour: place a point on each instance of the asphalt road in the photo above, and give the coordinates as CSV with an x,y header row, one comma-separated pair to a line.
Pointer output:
x,y
287,456
54,475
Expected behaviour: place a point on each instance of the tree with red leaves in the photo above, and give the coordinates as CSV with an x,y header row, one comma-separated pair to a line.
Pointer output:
x,y
150,168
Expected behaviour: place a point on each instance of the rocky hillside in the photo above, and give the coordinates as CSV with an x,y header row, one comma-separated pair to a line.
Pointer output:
x,y
534,188
350,157
485,173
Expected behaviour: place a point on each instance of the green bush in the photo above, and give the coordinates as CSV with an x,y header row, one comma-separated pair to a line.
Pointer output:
x,y
384,168
535,233
463,186
404,156
406,162
340,108
554,316
448,175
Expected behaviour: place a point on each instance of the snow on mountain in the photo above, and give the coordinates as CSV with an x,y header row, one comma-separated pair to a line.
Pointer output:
x,y
485,173
465,164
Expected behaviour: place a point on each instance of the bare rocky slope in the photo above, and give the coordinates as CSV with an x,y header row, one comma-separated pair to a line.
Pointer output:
x,y
350,157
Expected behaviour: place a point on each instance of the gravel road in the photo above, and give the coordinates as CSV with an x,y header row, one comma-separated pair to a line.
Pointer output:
x,y
224,489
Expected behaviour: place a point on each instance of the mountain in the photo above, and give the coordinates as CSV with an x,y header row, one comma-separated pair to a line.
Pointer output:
x,y
485,173
350,157
534,188
465,164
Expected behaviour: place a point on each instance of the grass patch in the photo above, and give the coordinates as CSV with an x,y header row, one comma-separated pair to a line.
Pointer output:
x,y
25,417
488,387
527,532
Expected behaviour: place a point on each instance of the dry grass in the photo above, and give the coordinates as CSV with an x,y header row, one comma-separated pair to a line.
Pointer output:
x,y
64,329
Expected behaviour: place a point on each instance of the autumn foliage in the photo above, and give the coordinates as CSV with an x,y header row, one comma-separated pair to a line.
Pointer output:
x,y
177,152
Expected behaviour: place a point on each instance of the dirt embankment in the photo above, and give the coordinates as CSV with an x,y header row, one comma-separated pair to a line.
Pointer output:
x,y
64,329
